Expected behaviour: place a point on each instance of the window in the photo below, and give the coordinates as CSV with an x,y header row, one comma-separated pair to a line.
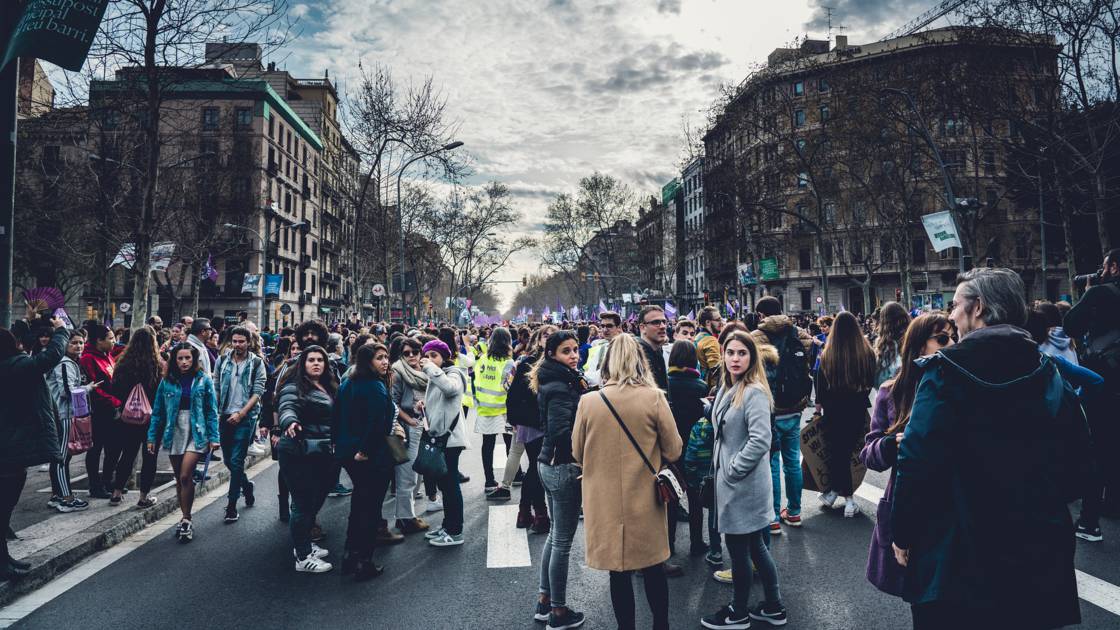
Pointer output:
x,y
806,299
989,162
244,117
822,85
209,118
886,250
272,128
948,254
829,213
799,118
826,253
798,88
801,145
775,220
859,212
991,198
824,113
805,259
918,250
802,180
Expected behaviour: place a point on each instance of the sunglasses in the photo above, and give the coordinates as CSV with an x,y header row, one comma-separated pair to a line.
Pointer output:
x,y
408,353
656,322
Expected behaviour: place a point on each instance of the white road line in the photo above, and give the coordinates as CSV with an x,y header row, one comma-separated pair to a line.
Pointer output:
x,y
31,602
1091,589
506,546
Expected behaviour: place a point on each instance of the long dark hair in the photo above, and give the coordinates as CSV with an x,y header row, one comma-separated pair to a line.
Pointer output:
x,y
904,386
171,373
364,370
281,351
501,344
893,320
551,345
298,373
847,361
140,361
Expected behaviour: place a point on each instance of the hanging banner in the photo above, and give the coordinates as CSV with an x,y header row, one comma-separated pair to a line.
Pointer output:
x,y
272,284
942,231
58,31
769,268
251,284
746,274
159,258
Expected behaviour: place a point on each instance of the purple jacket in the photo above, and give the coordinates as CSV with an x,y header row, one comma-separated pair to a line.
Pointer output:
x,y
880,452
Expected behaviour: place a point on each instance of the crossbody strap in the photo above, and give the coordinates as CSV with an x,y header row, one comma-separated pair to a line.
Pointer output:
x,y
628,434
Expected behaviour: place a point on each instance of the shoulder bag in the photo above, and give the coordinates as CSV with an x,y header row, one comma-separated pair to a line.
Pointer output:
x,y
137,409
80,437
667,486
429,458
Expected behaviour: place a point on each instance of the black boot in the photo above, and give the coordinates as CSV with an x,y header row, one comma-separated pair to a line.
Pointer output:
x,y
350,563
284,512
367,570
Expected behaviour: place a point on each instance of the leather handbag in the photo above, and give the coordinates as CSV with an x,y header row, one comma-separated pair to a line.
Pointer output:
x,y
398,450
429,459
666,481
316,447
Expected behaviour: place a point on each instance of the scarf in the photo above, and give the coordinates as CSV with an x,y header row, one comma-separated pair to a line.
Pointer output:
x,y
413,378
688,371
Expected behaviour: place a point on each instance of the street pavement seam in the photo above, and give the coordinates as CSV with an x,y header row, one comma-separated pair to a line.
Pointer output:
x,y
506,546
29,603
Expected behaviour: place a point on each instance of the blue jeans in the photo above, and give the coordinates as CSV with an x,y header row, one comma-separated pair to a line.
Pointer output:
x,y
788,437
563,491
235,441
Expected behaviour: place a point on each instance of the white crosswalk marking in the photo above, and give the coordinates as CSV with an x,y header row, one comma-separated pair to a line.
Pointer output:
x,y
506,546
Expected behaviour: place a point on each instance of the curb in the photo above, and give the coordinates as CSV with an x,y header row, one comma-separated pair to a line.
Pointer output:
x,y
50,562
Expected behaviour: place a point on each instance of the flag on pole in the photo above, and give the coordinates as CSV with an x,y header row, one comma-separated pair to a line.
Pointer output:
x,y
730,310
602,307
575,312
546,311
670,311
691,315
209,272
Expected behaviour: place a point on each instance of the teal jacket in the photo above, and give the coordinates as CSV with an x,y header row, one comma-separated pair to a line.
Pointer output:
x,y
204,412
253,380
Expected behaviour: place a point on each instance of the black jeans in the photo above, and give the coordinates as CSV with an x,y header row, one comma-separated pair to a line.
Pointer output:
x,y
133,440
1098,411
370,483
488,444
744,548
105,440
657,595
452,493
532,492
309,480
12,479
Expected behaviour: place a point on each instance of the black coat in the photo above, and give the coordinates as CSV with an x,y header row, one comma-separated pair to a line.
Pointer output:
x,y
521,403
29,422
656,364
362,417
557,397
686,398
986,467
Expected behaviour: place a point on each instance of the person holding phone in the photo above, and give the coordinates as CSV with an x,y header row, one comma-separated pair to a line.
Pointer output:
x,y
65,378
185,414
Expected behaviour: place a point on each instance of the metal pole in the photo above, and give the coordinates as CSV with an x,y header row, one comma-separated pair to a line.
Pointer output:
x,y
1042,233
9,82
264,271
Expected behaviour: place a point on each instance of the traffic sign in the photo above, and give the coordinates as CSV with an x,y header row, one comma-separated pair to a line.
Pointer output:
x,y
819,299
286,309
379,290
125,307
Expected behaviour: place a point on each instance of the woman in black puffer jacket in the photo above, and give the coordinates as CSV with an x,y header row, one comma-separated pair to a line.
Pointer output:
x,y
524,414
28,424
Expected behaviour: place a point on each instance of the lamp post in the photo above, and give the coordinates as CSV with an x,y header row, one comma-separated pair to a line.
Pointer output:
x,y
263,260
400,212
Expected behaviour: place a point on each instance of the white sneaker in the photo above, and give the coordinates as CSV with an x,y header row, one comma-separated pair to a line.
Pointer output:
x,y
44,467
256,449
311,564
435,533
434,506
829,499
446,540
850,507
316,552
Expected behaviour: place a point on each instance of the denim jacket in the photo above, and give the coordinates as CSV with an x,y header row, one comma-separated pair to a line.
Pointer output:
x,y
253,380
204,412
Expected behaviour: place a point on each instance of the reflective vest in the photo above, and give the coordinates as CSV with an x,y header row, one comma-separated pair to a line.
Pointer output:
x,y
488,391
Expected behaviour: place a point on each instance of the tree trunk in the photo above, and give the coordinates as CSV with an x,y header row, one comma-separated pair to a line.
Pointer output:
x,y
195,284
824,272
142,276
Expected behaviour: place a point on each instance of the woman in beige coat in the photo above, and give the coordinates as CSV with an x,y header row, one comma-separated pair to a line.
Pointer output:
x,y
624,519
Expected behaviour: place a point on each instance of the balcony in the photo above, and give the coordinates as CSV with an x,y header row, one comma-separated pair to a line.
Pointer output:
x,y
273,168
305,261
327,276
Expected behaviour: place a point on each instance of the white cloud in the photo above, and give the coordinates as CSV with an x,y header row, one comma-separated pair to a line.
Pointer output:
x,y
549,90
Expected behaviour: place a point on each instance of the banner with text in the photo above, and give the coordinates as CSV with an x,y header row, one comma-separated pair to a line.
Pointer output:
x,y
58,31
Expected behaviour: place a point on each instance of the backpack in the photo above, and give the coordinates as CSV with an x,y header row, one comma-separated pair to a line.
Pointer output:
x,y
789,380
137,409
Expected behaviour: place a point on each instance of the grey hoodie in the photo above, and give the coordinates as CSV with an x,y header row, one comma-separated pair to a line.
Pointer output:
x,y
1059,345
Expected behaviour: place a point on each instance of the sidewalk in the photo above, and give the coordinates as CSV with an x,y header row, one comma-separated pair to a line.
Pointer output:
x,y
54,542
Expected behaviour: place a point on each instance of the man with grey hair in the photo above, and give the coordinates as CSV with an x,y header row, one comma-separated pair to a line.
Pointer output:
x,y
992,454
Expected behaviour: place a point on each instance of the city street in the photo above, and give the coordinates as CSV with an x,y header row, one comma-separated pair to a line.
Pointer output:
x,y
241,574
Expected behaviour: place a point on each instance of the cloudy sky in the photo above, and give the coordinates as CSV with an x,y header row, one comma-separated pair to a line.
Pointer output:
x,y
548,91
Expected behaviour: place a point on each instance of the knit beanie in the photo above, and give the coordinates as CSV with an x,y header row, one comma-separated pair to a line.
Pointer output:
x,y
436,345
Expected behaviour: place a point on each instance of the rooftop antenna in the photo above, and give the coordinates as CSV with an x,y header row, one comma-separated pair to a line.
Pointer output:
x,y
828,12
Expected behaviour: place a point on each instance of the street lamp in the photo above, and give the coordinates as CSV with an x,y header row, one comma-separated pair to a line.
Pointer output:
x,y
447,147
263,259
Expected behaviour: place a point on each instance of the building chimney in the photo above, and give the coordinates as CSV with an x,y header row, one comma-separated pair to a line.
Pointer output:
x,y
841,42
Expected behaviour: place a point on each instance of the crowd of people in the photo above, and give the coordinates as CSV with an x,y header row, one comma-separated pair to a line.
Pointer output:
x,y
628,426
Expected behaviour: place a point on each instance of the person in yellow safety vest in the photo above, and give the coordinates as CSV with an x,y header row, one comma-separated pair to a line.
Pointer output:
x,y
611,325
493,374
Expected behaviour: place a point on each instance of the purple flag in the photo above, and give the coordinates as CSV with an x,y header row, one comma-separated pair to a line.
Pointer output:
x,y
730,310
602,307
691,315
208,270
670,311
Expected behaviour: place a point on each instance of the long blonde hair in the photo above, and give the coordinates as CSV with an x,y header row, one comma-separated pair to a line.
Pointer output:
x,y
625,364
754,375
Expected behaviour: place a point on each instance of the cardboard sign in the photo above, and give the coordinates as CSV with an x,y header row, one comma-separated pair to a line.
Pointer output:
x,y
813,468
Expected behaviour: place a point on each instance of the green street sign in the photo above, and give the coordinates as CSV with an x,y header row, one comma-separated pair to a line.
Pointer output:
x,y
769,269
58,31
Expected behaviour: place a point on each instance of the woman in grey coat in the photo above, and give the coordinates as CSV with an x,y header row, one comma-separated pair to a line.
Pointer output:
x,y
743,490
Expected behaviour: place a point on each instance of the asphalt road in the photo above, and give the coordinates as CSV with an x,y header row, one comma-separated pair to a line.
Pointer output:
x,y
241,575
